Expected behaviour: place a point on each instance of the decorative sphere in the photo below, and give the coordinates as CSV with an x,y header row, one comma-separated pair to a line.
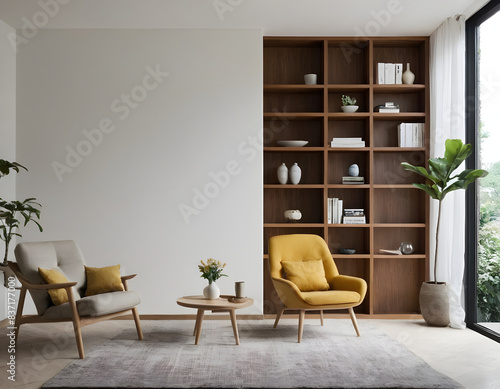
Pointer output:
x,y
353,170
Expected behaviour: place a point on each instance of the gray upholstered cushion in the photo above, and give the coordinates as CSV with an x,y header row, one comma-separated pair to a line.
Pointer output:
x,y
97,305
63,255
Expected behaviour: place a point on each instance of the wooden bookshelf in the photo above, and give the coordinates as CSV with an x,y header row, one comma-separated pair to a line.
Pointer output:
x,y
395,210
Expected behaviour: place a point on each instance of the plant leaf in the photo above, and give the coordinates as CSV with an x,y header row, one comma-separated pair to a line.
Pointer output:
x,y
430,190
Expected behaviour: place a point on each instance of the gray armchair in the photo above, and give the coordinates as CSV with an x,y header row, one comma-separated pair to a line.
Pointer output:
x,y
66,257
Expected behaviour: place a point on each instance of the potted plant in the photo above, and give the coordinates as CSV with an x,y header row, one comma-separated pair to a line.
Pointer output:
x,y
348,104
434,300
212,271
9,216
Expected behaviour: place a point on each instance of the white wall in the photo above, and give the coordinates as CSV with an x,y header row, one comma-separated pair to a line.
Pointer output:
x,y
7,130
121,200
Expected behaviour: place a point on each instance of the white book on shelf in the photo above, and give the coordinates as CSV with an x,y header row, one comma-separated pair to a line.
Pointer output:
x,y
408,135
359,144
390,73
339,211
329,210
399,73
354,220
402,135
415,136
421,132
334,210
347,140
380,73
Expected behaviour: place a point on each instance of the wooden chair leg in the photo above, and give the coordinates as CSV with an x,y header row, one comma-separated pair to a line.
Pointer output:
x,y
302,315
137,320
76,323
19,313
354,321
278,316
321,316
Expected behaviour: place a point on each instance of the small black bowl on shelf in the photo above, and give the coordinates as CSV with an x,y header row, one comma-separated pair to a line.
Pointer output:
x,y
347,251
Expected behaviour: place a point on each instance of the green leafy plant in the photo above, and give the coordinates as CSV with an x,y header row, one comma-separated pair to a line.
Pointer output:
x,y
6,167
212,270
440,178
488,273
10,210
347,100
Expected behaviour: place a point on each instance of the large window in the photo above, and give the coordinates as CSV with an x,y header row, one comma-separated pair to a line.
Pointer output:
x,y
483,199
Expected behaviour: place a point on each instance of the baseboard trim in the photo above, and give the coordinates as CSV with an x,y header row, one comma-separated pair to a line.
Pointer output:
x,y
5,322
272,316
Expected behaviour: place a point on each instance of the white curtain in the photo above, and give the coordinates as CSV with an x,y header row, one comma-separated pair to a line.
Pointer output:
x,y
447,99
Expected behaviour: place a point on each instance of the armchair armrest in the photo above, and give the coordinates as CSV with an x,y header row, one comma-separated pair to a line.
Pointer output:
x,y
125,279
129,277
28,285
285,284
355,284
288,293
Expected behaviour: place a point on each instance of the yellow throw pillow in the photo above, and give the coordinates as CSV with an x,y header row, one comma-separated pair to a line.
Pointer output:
x,y
307,275
103,280
54,276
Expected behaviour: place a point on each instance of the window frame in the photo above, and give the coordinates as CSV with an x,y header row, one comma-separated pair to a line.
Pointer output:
x,y
472,131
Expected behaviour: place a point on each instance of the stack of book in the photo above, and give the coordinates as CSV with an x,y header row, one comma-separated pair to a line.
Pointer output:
x,y
390,73
388,107
411,134
347,142
334,209
348,180
354,216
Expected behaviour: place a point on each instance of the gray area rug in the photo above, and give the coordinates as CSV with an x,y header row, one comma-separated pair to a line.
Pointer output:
x,y
331,356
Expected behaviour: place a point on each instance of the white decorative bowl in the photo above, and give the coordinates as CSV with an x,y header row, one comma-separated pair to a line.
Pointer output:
x,y
349,108
292,143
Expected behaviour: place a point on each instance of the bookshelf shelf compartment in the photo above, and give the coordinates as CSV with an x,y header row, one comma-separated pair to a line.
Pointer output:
x,y
277,201
310,130
339,161
387,167
390,238
349,238
400,294
306,101
310,163
385,133
399,206
395,210
349,128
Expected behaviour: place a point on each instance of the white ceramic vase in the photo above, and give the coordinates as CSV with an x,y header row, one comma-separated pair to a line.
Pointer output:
x,y
408,76
295,174
311,79
282,174
211,291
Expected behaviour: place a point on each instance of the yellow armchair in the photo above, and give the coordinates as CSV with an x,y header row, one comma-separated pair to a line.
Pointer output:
x,y
298,257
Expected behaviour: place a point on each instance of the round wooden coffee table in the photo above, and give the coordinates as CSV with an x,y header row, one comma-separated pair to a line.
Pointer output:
x,y
222,304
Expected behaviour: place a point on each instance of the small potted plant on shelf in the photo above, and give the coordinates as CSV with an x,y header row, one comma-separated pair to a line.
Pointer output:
x,y
348,104
434,298
9,213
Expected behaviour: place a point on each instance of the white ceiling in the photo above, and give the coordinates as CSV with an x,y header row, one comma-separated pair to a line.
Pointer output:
x,y
275,17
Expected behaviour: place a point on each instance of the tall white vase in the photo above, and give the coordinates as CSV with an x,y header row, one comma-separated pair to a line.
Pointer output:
x,y
211,291
295,174
282,174
408,76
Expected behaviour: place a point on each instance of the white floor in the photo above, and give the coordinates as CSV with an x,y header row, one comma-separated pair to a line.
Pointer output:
x,y
466,356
